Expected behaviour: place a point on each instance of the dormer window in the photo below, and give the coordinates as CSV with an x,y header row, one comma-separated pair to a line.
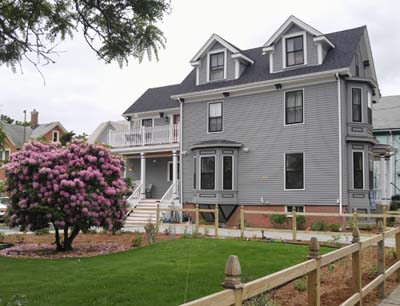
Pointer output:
x,y
294,51
217,66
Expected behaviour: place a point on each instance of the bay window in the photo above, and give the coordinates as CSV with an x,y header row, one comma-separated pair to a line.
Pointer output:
x,y
207,172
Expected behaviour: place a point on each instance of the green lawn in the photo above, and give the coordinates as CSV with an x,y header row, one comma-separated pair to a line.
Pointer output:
x,y
153,275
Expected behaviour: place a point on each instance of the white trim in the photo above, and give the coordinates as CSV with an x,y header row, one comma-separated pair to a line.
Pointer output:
x,y
291,35
209,53
2,154
55,132
304,172
149,112
294,205
268,49
271,62
352,168
222,171
323,39
208,116
170,162
292,20
215,171
284,107
262,84
219,39
152,121
242,56
237,68
195,174
340,145
150,149
361,104
197,75
320,54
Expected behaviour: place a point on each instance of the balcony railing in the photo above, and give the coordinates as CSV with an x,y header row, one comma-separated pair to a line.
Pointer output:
x,y
166,134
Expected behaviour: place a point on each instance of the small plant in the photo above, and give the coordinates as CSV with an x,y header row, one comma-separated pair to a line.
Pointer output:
x,y
391,252
300,221
300,285
167,232
278,219
335,227
151,231
373,272
336,240
186,233
2,236
20,238
206,231
331,267
41,232
137,240
261,300
195,234
92,231
319,226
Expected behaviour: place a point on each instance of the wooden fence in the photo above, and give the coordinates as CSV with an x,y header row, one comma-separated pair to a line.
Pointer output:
x,y
236,292
355,216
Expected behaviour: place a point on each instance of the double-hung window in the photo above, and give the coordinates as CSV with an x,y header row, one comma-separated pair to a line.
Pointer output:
x,y
5,155
217,66
358,170
215,117
227,171
294,51
294,171
356,104
207,172
195,172
294,107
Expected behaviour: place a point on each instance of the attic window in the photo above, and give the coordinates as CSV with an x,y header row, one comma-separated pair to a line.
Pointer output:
x,y
294,51
55,136
217,66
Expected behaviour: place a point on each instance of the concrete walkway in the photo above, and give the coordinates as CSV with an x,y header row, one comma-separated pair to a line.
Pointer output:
x,y
392,299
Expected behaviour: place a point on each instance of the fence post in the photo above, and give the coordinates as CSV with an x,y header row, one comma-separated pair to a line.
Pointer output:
x,y
355,218
216,219
384,218
398,254
196,219
381,260
294,224
241,221
158,218
314,277
356,266
232,278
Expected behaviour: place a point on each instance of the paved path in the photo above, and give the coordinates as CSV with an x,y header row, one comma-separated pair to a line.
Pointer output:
x,y
392,299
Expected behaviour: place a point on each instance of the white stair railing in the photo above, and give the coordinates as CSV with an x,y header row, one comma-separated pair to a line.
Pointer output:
x,y
168,201
134,198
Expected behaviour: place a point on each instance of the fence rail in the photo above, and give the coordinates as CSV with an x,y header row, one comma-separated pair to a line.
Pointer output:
x,y
236,293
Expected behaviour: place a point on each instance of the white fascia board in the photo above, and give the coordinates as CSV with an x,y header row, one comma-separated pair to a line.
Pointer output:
x,y
323,39
268,49
150,112
213,38
292,20
260,86
242,56
195,64
147,149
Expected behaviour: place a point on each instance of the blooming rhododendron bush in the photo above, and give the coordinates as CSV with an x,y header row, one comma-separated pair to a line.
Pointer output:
x,y
73,188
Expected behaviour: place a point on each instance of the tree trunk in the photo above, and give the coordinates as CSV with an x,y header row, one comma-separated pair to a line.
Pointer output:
x,y
58,242
66,244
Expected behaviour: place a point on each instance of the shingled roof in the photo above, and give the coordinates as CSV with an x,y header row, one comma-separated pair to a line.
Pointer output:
x,y
341,56
386,114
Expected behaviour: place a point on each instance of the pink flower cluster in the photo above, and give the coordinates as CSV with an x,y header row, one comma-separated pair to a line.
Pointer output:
x,y
80,184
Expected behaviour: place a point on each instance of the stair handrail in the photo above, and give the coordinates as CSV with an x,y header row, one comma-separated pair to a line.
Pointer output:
x,y
168,196
135,196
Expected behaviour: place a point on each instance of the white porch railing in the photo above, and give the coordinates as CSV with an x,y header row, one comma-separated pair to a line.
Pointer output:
x,y
134,198
165,134
169,200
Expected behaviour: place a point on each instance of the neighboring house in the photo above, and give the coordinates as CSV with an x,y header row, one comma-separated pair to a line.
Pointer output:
x,y
281,126
17,135
101,134
386,121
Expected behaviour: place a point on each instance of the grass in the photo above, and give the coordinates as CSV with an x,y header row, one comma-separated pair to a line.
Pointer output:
x,y
166,273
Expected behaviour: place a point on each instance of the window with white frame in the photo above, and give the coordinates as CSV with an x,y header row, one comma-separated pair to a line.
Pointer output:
x,y
294,171
358,169
207,172
215,117
294,50
356,101
227,172
55,136
217,66
294,107
5,155
170,171
299,208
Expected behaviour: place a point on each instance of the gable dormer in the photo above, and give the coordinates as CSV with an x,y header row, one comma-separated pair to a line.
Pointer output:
x,y
296,44
219,60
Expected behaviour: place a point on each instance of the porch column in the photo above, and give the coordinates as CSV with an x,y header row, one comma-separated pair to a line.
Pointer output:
x,y
388,180
143,175
126,166
382,179
175,173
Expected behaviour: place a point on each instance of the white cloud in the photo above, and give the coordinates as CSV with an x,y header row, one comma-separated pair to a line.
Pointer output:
x,y
82,91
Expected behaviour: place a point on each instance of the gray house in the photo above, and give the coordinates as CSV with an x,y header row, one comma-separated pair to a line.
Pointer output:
x,y
287,124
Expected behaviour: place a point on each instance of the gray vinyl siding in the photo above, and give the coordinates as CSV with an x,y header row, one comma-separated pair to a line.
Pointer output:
x,y
365,72
257,121
156,173
230,64
312,51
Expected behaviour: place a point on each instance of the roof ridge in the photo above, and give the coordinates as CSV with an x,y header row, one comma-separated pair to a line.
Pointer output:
x,y
346,30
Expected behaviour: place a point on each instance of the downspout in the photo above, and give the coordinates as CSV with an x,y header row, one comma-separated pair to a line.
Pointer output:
x,y
180,151
340,144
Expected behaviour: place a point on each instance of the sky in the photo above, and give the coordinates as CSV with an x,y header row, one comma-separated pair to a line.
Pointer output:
x,y
81,91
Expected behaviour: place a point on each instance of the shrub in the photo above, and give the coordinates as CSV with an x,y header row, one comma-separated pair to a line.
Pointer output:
x,y
319,226
300,285
42,231
2,236
335,227
151,231
278,219
137,240
261,300
300,221
72,187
